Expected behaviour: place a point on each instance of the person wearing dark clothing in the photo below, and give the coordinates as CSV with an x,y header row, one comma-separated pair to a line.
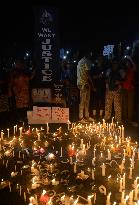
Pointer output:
x,y
98,101
113,92
128,91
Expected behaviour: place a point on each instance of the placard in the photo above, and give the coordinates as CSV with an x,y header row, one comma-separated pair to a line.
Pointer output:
x,y
41,95
60,115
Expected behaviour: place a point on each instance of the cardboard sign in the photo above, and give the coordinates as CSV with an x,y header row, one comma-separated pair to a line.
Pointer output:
x,y
42,112
60,115
43,115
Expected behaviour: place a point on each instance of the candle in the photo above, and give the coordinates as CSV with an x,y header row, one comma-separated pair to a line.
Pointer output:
x,y
124,181
130,172
14,130
10,186
75,167
122,133
109,155
20,129
136,193
131,197
122,197
21,172
68,124
121,185
15,168
2,134
108,199
81,145
20,190
94,152
8,132
25,197
70,160
93,174
89,200
93,161
47,128
61,152
103,169
6,165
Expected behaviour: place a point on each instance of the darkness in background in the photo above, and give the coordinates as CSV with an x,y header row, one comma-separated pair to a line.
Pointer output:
x,y
79,26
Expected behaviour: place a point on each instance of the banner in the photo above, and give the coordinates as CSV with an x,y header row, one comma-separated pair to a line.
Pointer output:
x,y
46,51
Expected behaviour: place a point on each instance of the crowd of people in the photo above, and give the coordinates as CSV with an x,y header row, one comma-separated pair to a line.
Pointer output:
x,y
108,87
94,88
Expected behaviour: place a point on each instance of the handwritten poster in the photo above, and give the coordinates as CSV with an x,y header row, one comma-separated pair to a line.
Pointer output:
x,y
42,112
60,114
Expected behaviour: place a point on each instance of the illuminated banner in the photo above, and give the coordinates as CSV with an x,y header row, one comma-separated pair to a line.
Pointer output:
x,y
46,51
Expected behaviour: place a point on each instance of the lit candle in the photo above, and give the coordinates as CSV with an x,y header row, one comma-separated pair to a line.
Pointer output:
x,y
122,133
14,130
121,185
89,200
81,145
122,197
61,152
131,198
130,172
68,124
93,174
109,155
75,167
94,152
136,193
8,132
124,181
25,197
93,161
70,160
2,134
108,199
47,128
103,169
6,165
20,129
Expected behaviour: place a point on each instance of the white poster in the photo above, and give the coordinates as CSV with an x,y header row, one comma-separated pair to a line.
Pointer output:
x,y
60,115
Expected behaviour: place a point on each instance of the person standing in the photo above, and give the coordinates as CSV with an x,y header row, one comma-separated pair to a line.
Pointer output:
x,y
84,83
98,101
19,87
128,90
113,92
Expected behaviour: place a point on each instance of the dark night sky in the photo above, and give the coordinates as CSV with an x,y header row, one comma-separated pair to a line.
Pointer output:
x,y
79,26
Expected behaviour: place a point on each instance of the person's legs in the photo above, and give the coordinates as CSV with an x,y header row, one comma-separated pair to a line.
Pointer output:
x,y
117,106
124,105
82,102
87,102
130,105
108,104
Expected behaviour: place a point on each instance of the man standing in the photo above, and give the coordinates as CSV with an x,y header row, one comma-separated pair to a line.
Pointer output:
x,y
84,83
